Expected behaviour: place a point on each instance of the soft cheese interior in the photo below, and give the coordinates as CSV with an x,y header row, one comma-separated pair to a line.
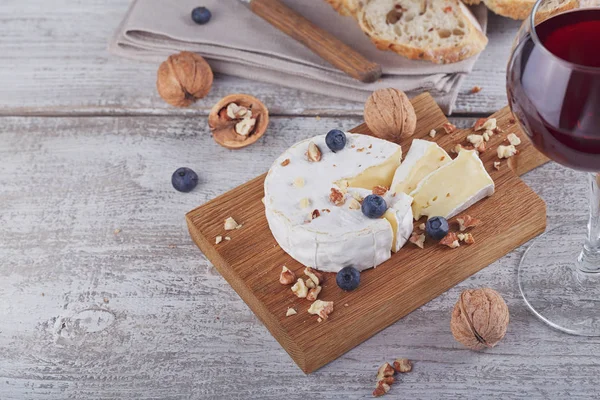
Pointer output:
x,y
453,188
423,158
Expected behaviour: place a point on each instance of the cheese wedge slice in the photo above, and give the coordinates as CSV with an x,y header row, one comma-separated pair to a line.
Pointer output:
x,y
423,158
453,187
400,217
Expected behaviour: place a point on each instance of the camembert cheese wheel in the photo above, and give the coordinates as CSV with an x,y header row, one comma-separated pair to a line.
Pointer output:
x,y
328,235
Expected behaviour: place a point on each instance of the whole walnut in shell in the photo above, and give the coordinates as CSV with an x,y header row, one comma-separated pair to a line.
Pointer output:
x,y
390,115
184,78
479,319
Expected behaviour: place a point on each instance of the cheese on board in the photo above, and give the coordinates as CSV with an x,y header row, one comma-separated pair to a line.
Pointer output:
x,y
452,188
324,235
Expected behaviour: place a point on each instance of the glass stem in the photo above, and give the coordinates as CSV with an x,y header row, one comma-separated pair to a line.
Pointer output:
x,y
589,260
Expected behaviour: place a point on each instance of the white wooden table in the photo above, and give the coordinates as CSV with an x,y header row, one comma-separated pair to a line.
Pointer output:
x,y
104,295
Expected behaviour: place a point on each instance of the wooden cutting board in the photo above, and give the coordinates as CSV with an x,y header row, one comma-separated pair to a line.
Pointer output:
x,y
251,261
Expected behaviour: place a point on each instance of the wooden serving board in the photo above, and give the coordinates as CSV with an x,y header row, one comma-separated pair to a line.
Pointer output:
x,y
251,261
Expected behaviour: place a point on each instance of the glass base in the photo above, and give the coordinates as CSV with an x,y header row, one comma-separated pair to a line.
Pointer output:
x,y
558,285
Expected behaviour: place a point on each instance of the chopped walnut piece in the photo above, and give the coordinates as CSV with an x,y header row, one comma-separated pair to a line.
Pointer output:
x,y
450,240
389,380
422,226
315,214
381,389
513,139
432,133
380,190
466,237
417,240
354,204
218,239
475,139
227,238
290,312
384,371
286,277
485,124
285,162
310,284
466,221
402,365
497,165
230,224
476,89
337,197
448,127
448,9
506,151
321,308
487,135
300,289
314,275
313,293
313,153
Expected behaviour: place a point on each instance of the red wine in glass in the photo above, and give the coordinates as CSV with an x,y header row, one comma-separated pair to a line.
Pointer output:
x,y
554,88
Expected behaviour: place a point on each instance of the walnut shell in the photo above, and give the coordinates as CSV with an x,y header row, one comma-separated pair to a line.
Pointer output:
x,y
184,78
390,115
223,126
479,319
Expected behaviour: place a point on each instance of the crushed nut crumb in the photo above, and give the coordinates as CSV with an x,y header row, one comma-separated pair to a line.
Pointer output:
x,y
285,162
450,240
290,312
417,240
513,139
380,190
218,239
231,224
507,151
476,89
402,365
432,133
466,221
286,277
337,197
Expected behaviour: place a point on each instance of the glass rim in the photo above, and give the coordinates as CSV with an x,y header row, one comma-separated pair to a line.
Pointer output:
x,y
538,42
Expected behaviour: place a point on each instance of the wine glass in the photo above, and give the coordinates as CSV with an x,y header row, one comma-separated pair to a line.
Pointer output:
x,y
553,85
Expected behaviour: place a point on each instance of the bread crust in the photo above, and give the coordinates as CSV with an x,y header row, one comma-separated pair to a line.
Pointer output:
x,y
520,9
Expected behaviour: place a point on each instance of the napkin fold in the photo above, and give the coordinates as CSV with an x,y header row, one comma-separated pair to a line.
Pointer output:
x,y
238,42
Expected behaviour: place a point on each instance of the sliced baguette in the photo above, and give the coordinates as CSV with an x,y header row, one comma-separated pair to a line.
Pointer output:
x,y
520,9
441,31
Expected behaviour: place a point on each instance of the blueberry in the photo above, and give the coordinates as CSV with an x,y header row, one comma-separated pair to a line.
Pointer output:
x,y
348,278
437,228
335,140
374,206
201,15
184,180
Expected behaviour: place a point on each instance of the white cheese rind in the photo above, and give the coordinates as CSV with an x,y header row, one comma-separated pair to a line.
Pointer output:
x,y
453,188
402,211
342,236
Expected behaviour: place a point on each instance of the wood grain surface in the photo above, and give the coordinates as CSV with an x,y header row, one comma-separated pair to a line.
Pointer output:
x,y
252,260
179,330
100,161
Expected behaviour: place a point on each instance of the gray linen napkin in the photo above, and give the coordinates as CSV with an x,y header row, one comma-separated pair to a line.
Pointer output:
x,y
237,42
